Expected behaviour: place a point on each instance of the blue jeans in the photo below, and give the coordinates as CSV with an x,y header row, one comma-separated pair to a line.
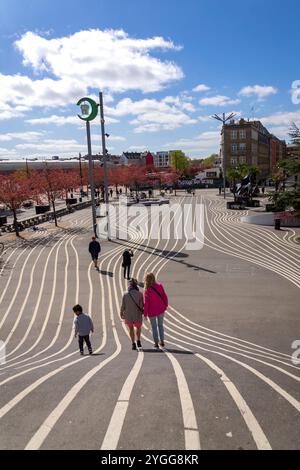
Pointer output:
x,y
157,322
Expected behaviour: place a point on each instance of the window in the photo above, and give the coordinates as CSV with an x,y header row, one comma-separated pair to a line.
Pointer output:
x,y
243,134
242,149
234,148
233,135
243,160
234,161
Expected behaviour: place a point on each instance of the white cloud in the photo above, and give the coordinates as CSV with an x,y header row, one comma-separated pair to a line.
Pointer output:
x,y
63,120
101,59
261,92
53,147
137,148
218,100
282,119
280,131
27,136
115,138
74,66
201,87
8,153
155,115
203,144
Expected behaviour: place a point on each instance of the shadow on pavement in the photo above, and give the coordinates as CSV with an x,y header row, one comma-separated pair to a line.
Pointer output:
x,y
172,255
106,273
173,351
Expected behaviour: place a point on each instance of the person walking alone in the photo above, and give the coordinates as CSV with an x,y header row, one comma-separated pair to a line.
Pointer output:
x,y
83,327
155,305
132,309
127,255
94,249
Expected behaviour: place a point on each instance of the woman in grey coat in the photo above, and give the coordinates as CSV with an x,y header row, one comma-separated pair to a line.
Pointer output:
x,y
132,310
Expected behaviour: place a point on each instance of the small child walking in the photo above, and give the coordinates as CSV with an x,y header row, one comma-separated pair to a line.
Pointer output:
x,y
83,327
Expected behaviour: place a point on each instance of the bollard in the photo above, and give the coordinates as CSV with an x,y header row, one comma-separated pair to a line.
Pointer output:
x,y
277,224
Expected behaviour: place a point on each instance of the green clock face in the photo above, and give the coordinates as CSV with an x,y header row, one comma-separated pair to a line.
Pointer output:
x,y
91,110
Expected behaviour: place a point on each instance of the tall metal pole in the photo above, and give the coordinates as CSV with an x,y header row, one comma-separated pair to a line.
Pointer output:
x,y
80,173
91,176
224,157
104,162
223,120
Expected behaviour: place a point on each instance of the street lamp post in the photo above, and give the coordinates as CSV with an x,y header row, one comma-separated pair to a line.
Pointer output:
x,y
104,153
89,111
224,119
80,174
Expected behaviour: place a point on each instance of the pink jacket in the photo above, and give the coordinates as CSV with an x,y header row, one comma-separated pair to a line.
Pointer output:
x,y
154,304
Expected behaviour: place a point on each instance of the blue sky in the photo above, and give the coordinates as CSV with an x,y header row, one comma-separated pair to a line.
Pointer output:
x,y
165,67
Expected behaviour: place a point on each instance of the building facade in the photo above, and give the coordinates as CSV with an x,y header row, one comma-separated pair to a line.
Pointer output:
x,y
132,158
293,151
161,160
249,142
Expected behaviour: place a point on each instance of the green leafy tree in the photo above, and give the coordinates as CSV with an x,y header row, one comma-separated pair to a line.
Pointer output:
x,y
179,161
289,199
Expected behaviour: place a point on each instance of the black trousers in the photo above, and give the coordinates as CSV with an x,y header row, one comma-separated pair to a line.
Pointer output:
x,y
127,270
87,341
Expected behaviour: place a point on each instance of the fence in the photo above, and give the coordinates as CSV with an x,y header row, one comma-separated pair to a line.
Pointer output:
x,y
42,218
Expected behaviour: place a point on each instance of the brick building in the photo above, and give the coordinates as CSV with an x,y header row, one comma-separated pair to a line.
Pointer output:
x,y
249,142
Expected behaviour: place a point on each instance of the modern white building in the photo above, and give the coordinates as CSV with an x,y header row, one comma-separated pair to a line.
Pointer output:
x,y
209,174
161,159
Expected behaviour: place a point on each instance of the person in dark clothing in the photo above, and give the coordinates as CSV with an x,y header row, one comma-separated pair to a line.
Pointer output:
x,y
111,193
127,255
94,249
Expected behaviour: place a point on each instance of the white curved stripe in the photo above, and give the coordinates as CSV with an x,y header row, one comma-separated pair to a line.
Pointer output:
x,y
295,403
191,432
115,426
186,328
254,427
273,366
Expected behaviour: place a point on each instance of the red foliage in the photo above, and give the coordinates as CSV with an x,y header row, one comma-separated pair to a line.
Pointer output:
x,y
14,190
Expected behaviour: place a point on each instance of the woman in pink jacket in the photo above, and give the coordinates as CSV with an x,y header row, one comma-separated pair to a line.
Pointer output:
x,y
156,303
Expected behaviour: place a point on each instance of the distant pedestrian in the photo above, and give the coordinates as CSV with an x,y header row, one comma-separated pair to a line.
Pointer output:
x,y
83,327
111,193
94,249
155,305
132,310
263,189
127,255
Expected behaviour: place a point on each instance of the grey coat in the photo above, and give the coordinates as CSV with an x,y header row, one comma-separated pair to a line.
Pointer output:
x,y
132,307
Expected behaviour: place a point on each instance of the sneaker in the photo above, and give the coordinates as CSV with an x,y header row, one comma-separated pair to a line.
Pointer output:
x,y
81,353
156,346
90,352
133,347
162,344
139,344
